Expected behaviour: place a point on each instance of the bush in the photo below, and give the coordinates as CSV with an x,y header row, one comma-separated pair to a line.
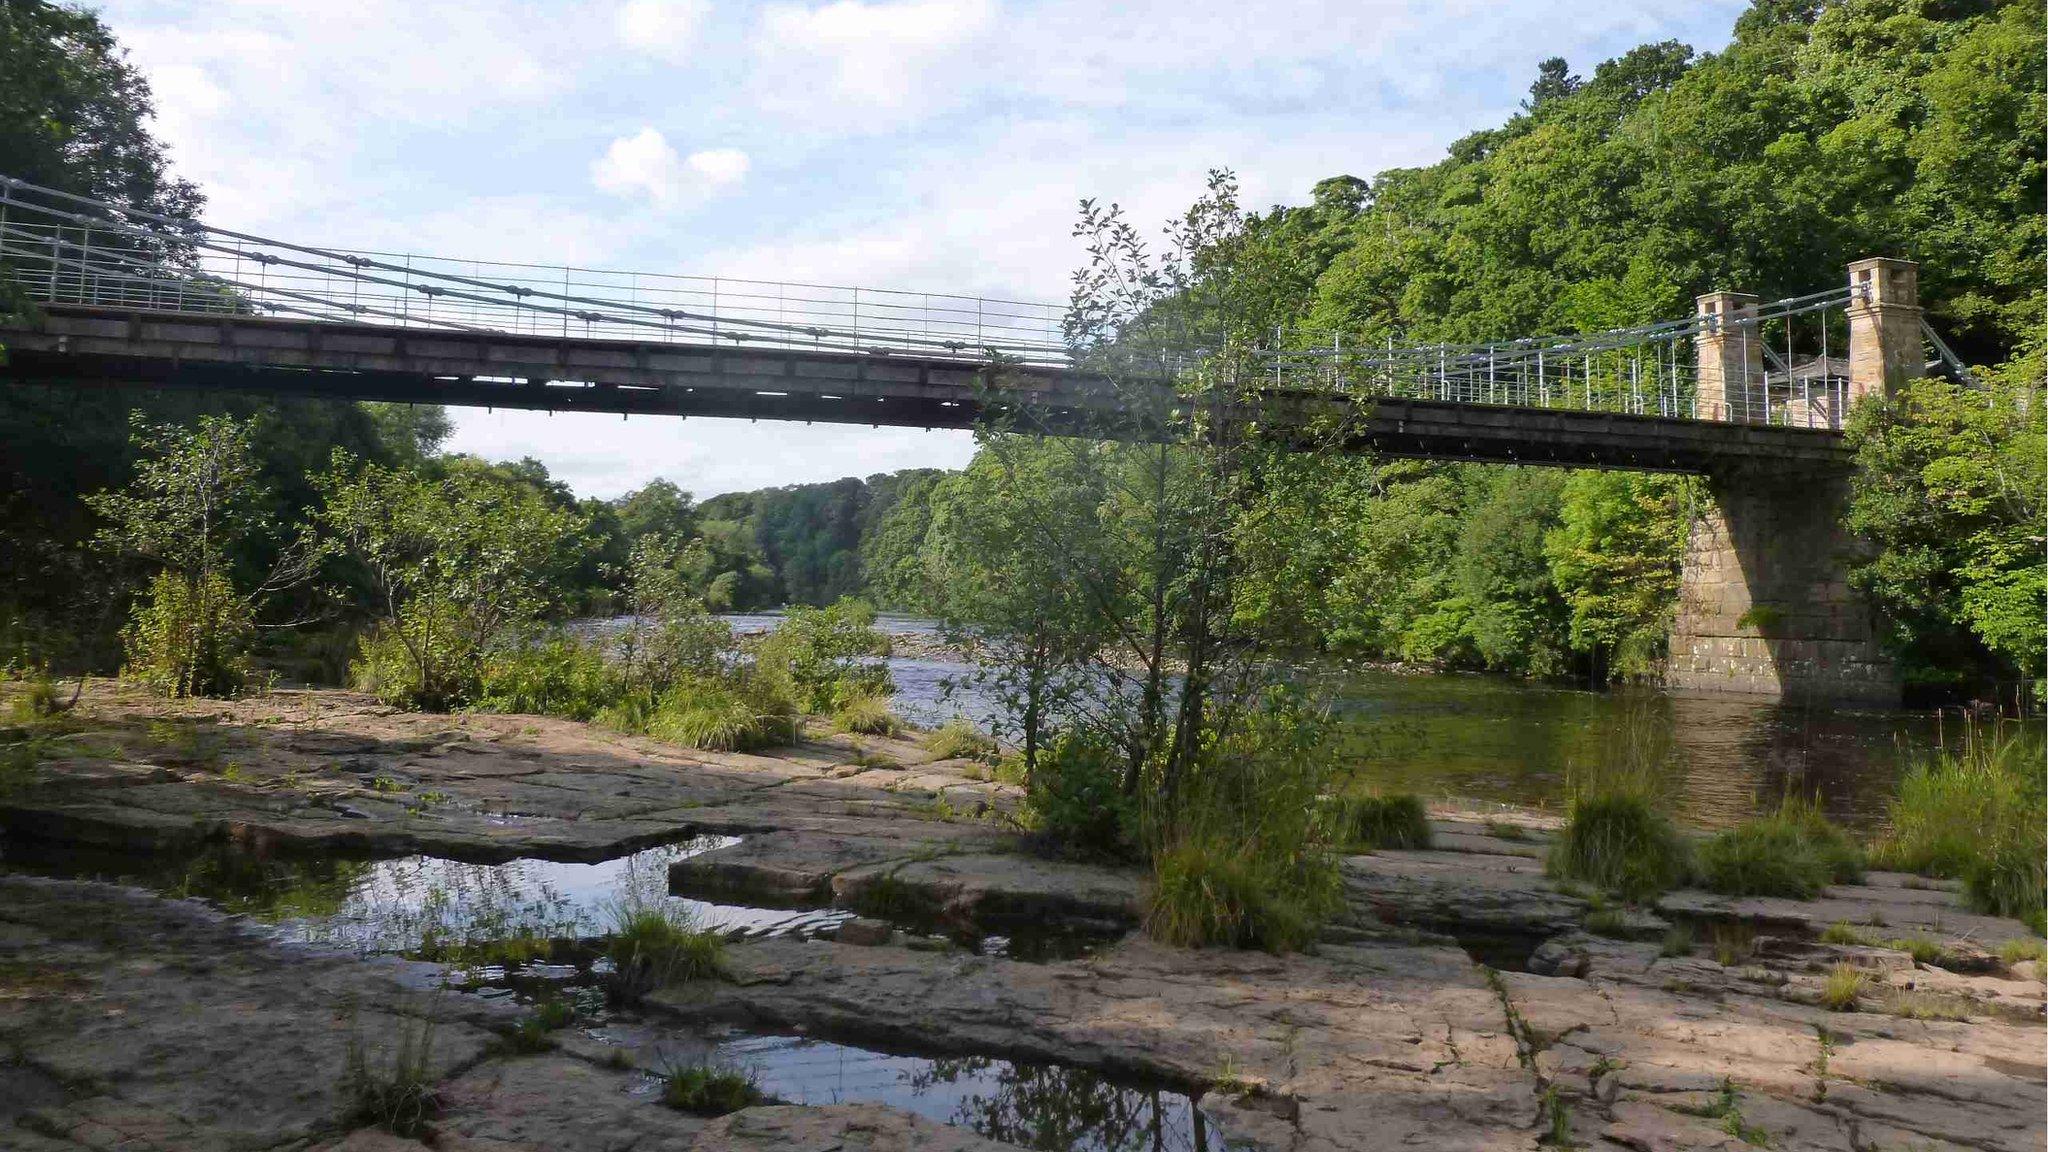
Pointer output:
x,y
957,739
559,676
1241,854
824,655
1794,852
1620,843
190,637
417,665
706,1091
867,716
1214,890
729,714
1976,813
1396,820
1948,801
1074,798
2007,878
649,948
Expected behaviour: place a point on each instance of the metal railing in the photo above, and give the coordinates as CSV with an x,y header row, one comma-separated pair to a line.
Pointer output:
x,y
1777,364
70,250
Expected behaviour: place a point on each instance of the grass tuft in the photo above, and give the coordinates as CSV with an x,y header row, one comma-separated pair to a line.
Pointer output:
x,y
1678,941
649,948
1372,820
1504,830
867,716
396,1094
1609,922
1793,852
957,739
1976,813
2022,948
1620,843
703,1090
1843,932
720,716
1213,891
1844,989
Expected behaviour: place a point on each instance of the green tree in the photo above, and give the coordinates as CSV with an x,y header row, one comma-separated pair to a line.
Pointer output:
x,y
1615,556
1949,487
193,504
460,559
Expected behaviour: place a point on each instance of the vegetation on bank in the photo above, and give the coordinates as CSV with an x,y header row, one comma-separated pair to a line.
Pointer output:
x,y
1127,601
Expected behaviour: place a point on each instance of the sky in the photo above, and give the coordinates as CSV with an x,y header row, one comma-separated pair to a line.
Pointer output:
x,y
932,145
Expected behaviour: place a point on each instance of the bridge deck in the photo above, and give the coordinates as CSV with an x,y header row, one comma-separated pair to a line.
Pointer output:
x,y
67,345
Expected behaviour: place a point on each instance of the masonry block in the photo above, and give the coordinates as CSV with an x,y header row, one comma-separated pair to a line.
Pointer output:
x,y
1763,609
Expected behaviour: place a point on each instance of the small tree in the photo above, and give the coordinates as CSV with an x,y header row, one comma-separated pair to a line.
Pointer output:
x,y
669,634
459,560
193,504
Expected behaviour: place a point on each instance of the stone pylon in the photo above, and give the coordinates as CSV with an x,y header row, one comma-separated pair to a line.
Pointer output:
x,y
1765,608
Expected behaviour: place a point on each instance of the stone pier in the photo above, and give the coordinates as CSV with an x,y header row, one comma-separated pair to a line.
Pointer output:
x,y
1765,608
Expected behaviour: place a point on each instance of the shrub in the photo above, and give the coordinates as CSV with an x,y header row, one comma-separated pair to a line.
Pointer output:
x,y
559,676
1844,989
416,665
729,714
1620,843
707,1091
190,636
1949,800
957,739
867,716
650,948
1216,891
1794,852
1395,820
824,655
2007,877
1074,798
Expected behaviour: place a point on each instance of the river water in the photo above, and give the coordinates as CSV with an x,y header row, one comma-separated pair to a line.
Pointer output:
x,y
1493,739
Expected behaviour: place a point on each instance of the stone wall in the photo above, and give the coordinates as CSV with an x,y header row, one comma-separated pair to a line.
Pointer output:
x,y
1765,607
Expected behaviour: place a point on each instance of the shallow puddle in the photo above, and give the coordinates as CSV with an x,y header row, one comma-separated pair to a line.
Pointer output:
x,y
1045,1106
425,906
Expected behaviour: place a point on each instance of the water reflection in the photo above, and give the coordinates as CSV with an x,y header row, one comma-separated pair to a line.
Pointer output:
x,y
1511,741
1044,1106
426,906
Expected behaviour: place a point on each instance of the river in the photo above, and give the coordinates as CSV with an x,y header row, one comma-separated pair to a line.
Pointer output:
x,y
1494,739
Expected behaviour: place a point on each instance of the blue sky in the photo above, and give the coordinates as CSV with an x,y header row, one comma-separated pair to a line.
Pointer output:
x,y
935,145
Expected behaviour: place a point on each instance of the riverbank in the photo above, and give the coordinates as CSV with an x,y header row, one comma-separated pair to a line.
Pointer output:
x,y
1460,1001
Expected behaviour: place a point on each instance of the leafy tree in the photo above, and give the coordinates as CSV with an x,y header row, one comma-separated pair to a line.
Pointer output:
x,y
194,501
1949,487
1615,556
74,112
459,560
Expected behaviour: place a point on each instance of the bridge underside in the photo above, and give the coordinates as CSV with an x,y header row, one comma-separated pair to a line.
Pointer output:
x,y
95,347
1763,611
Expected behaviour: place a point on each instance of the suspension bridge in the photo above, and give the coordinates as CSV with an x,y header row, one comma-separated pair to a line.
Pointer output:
x,y
125,297
1751,394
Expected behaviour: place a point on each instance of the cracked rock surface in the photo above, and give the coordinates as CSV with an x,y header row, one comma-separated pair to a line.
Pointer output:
x,y
130,1021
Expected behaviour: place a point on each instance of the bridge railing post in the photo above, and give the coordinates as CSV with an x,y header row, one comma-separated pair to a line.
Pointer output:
x,y
1731,358
1885,347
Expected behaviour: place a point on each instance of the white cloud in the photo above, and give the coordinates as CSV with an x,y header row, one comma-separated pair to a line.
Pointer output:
x,y
663,28
876,57
645,164
922,144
